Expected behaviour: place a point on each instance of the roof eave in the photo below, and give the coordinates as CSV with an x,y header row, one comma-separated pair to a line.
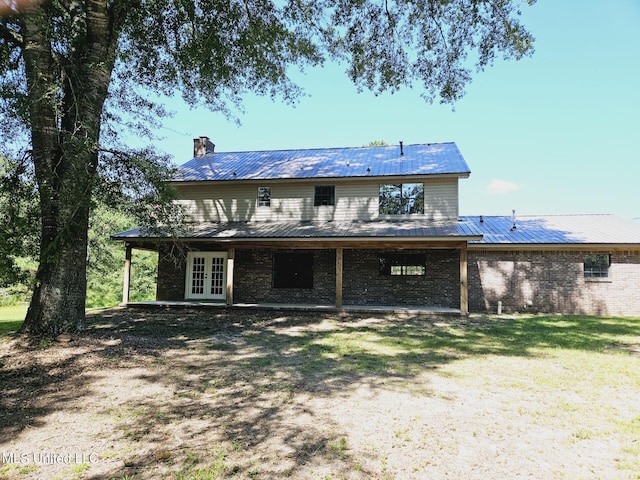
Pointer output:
x,y
555,246
398,239
320,239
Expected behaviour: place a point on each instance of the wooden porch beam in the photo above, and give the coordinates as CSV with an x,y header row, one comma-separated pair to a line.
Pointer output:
x,y
464,286
231,253
339,264
127,275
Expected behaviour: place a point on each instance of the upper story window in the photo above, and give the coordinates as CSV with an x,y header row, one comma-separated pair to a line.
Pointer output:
x,y
597,265
401,198
324,195
264,196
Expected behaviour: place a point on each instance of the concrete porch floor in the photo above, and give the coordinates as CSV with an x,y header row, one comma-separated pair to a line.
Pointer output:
x,y
408,310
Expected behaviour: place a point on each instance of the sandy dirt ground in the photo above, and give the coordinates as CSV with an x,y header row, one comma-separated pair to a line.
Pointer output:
x,y
195,394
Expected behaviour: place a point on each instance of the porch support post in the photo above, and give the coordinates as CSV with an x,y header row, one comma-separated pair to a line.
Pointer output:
x,y
230,261
464,287
339,264
127,274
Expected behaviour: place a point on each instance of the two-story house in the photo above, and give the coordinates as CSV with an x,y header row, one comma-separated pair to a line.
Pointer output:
x,y
374,227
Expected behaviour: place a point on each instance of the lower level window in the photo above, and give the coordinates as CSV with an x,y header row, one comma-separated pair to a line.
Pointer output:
x,y
293,270
597,265
403,264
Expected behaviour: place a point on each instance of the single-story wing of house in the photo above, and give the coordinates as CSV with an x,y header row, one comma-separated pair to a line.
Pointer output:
x,y
377,227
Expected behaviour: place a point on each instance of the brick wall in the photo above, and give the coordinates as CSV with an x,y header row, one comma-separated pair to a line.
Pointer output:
x,y
253,279
363,284
171,276
552,282
526,281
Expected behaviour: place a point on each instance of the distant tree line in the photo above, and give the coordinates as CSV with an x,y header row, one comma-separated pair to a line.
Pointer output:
x,y
19,245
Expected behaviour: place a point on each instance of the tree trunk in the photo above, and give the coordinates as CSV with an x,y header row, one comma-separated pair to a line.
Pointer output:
x,y
58,301
67,94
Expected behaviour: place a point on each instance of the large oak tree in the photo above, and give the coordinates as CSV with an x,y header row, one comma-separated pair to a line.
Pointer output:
x,y
73,73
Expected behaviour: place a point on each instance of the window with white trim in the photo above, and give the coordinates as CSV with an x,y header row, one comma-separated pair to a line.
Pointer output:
x,y
264,196
324,195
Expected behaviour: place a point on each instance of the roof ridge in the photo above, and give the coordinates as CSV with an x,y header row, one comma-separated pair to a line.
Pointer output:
x,y
326,148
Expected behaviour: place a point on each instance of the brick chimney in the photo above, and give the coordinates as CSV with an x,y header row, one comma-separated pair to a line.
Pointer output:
x,y
202,146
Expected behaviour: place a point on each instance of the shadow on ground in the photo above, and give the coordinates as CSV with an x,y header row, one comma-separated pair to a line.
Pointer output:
x,y
230,392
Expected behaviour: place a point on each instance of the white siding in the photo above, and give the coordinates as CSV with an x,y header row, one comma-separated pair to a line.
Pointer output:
x,y
441,199
294,201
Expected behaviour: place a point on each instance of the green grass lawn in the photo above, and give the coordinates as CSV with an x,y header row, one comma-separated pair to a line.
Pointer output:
x,y
11,318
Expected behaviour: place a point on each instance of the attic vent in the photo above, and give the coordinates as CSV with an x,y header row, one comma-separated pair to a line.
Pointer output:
x,y
202,146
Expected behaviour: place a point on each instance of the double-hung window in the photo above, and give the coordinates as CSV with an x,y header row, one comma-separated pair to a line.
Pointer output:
x,y
264,196
324,195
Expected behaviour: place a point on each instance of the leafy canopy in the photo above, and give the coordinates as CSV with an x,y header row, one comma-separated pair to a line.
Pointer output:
x,y
214,52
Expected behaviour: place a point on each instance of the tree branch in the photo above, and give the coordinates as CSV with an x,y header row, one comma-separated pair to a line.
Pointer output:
x,y
11,36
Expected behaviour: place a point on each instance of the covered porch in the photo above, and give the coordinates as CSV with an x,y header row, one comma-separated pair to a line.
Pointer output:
x,y
371,267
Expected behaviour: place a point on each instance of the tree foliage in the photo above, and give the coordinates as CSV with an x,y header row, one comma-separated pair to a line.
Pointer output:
x,y
18,220
19,241
105,261
76,74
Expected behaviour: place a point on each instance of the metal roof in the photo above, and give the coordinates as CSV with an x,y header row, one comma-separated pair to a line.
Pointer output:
x,y
492,230
425,159
556,229
407,229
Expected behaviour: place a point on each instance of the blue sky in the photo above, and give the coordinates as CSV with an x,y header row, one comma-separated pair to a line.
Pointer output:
x,y
553,134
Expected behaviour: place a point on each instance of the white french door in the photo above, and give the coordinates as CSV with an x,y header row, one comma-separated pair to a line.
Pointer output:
x,y
206,276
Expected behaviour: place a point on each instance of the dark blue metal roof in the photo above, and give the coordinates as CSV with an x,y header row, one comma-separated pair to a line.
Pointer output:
x,y
556,229
427,159
492,230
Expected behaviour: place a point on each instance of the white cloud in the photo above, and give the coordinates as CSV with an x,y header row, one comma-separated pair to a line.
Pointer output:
x,y
502,187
